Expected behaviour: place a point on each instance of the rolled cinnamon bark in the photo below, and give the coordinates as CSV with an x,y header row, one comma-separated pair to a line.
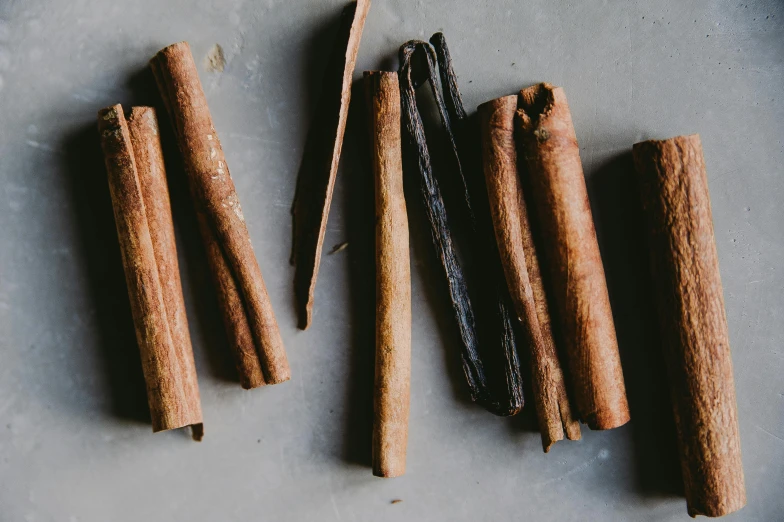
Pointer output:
x,y
521,268
393,279
695,340
247,311
145,231
569,242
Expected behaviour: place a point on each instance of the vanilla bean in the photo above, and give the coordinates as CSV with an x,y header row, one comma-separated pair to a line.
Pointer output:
x,y
450,108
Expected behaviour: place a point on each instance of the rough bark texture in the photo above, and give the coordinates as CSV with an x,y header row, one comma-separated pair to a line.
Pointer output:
x,y
222,224
685,267
145,231
521,267
320,162
393,279
569,242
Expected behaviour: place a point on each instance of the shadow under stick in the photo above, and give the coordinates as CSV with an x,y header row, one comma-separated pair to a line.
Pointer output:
x,y
142,213
393,279
569,242
685,267
247,310
521,268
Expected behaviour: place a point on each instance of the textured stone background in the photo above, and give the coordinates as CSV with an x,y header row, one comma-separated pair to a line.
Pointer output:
x,y
75,444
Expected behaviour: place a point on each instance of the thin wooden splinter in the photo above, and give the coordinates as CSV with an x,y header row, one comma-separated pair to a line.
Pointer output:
x,y
140,199
695,339
521,267
568,236
320,162
247,312
393,279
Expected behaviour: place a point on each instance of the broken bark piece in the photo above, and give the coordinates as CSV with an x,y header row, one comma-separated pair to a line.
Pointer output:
x,y
391,392
246,307
521,266
695,340
142,213
319,168
511,400
568,236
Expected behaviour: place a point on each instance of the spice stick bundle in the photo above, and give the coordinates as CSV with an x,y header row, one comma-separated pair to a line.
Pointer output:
x,y
521,266
393,279
569,242
693,323
322,155
247,311
140,198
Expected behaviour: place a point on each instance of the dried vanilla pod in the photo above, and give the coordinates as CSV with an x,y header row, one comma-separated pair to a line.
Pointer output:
x,y
450,108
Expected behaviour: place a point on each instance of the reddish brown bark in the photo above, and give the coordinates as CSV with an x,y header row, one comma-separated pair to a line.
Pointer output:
x,y
570,246
695,339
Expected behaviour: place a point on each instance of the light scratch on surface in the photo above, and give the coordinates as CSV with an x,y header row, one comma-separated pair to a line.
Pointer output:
x,y
43,146
770,433
571,472
252,137
335,506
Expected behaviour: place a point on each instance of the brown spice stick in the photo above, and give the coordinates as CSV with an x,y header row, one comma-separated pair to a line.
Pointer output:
x,y
521,268
393,279
146,235
695,340
222,224
320,161
569,242
235,320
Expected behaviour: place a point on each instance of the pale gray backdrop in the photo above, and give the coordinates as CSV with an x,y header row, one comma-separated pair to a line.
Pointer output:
x,y
75,442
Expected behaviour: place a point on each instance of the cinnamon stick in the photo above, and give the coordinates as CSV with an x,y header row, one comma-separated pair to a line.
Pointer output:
x,y
568,236
695,340
521,267
247,311
145,231
316,181
393,279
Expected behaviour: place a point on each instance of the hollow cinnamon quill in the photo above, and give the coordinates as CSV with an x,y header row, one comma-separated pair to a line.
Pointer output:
x,y
521,267
695,339
393,279
568,237
247,311
140,199
320,162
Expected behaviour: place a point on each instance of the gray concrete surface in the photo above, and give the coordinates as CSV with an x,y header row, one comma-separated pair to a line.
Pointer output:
x,y
74,441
